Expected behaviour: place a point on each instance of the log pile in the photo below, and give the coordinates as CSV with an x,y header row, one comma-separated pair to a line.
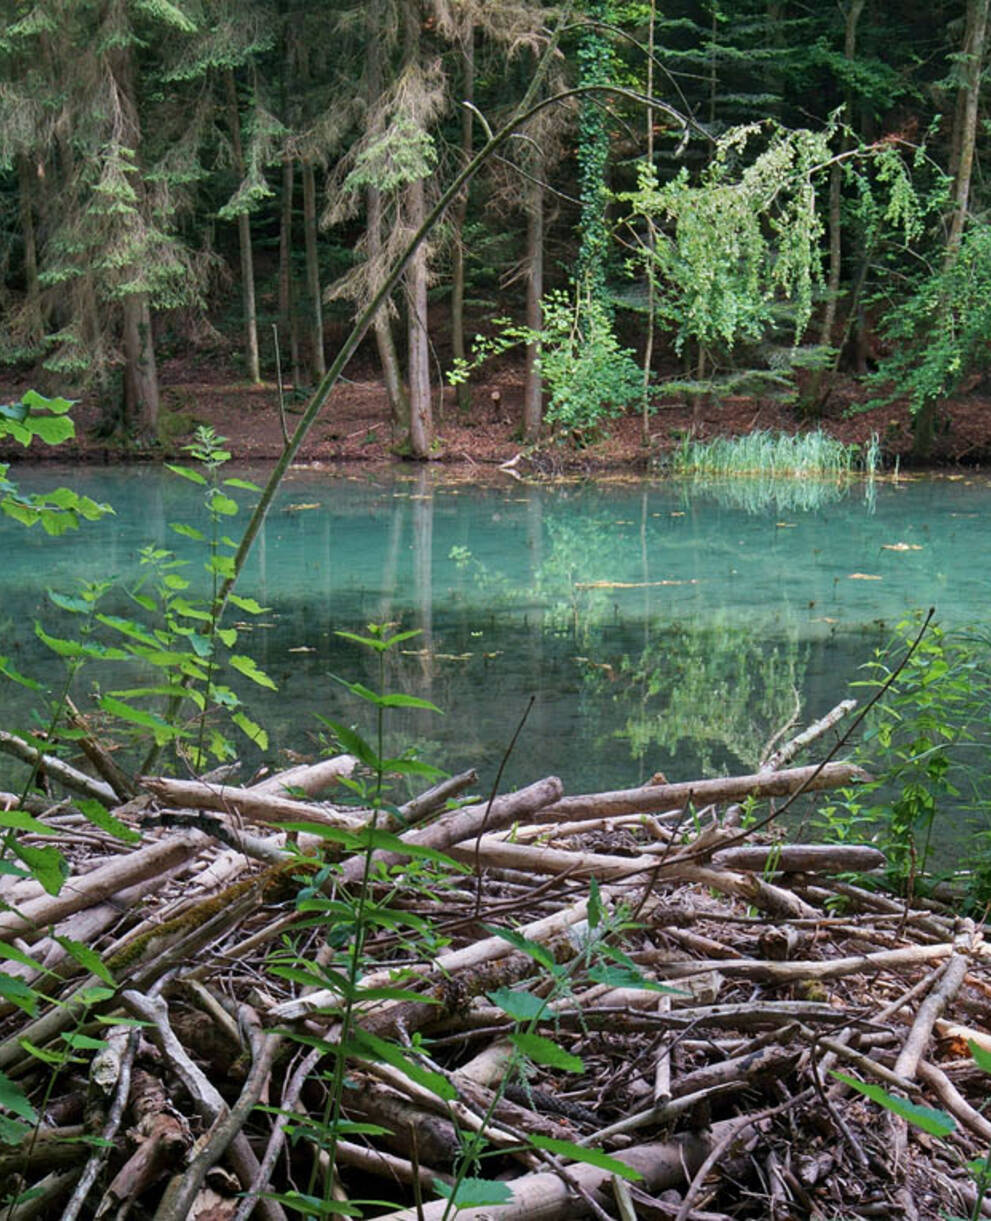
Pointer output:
x,y
703,980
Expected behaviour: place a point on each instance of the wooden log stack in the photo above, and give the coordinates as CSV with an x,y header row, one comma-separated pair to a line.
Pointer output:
x,y
618,1005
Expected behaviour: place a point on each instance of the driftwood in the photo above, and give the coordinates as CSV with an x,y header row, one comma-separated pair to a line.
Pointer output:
x,y
654,797
739,989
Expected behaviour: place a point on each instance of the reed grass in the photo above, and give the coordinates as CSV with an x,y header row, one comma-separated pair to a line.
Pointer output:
x,y
776,454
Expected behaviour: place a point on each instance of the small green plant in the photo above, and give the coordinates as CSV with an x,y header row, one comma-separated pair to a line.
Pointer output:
x,y
934,1123
923,744
589,377
48,420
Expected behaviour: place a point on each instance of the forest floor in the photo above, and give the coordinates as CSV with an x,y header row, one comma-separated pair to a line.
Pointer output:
x,y
355,426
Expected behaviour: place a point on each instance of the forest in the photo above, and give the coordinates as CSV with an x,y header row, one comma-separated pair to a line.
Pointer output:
x,y
260,955
646,205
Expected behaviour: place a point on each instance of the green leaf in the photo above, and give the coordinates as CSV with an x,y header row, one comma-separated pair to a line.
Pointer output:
x,y
594,908
546,1052
76,649
249,668
248,605
19,993
533,949
625,977
53,431
88,959
48,866
352,742
251,731
13,1132
246,484
44,1054
74,606
217,502
474,1193
520,1006
21,820
100,816
57,405
82,1042
396,699
591,1157
16,676
12,954
981,1056
13,1098
378,1049
179,527
187,473
935,1123
313,1206
137,716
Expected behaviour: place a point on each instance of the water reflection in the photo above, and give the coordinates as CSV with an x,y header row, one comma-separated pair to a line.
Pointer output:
x,y
660,626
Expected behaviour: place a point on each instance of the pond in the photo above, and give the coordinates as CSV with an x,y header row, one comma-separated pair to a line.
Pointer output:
x,y
659,625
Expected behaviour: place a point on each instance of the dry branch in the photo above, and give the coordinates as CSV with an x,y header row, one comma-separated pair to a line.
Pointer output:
x,y
653,797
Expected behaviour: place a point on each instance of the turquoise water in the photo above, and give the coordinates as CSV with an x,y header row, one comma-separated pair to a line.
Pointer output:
x,y
658,626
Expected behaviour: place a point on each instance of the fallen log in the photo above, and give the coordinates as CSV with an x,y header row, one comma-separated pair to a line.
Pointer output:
x,y
545,1196
246,803
35,915
652,797
800,858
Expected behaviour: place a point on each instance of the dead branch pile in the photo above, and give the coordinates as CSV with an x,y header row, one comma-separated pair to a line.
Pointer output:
x,y
717,1091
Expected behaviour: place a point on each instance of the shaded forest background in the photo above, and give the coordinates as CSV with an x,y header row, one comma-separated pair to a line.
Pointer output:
x,y
734,198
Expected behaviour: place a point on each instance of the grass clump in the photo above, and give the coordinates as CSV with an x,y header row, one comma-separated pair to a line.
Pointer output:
x,y
777,454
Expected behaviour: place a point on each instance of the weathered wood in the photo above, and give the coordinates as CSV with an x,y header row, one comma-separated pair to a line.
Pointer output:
x,y
78,892
784,754
69,777
245,803
311,778
545,1197
800,858
465,824
654,797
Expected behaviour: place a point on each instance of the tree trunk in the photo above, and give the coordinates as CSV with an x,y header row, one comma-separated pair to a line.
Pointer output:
x,y
533,387
244,241
318,362
421,426
816,396
140,373
975,38
648,353
35,322
287,311
458,215
382,326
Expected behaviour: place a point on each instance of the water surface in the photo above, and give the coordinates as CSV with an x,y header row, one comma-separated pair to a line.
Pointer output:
x,y
658,626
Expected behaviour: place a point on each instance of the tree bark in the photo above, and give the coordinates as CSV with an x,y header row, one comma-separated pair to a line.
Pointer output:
x,y
287,311
421,426
974,43
382,326
244,241
140,372
975,39
32,292
318,362
533,413
459,213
